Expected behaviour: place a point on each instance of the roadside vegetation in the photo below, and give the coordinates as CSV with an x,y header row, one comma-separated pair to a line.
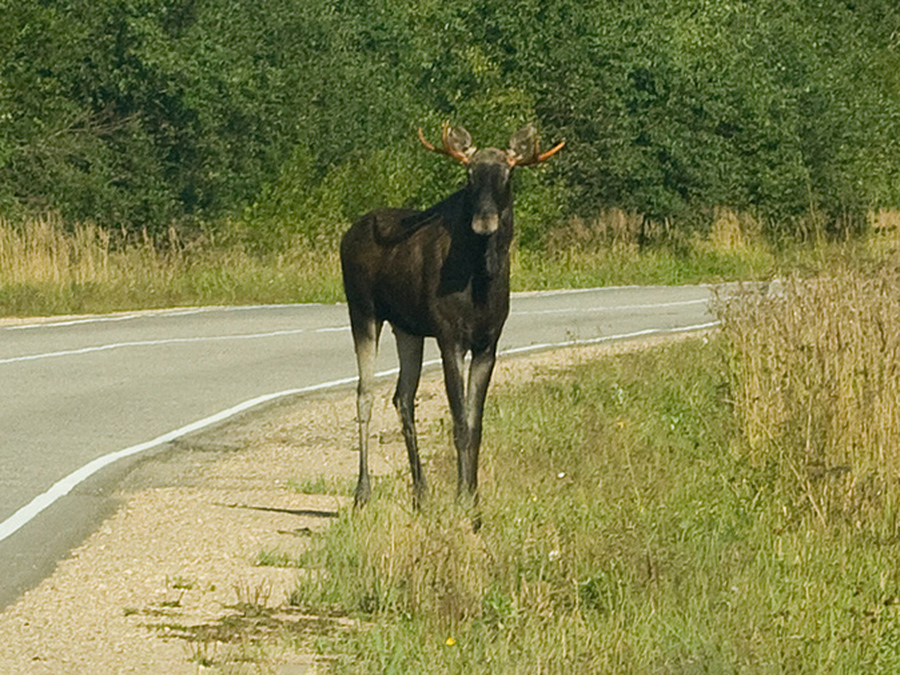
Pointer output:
x,y
48,267
723,504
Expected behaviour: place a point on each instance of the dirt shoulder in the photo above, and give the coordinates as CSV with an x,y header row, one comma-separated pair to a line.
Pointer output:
x,y
171,582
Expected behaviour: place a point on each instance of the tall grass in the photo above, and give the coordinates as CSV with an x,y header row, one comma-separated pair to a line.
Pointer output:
x,y
42,252
625,529
617,248
51,267
48,267
816,382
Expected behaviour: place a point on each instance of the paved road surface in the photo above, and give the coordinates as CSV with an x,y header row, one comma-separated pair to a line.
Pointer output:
x,y
82,399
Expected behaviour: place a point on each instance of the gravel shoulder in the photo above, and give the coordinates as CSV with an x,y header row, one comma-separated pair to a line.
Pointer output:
x,y
170,583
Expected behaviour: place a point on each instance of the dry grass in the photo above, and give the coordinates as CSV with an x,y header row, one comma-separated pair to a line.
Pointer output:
x,y
626,231
41,251
49,267
885,239
816,383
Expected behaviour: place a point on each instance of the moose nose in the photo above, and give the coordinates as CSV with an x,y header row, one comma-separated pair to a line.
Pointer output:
x,y
485,224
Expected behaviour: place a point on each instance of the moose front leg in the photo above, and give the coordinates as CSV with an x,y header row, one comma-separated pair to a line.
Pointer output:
x,y
480,371
452,358
467,407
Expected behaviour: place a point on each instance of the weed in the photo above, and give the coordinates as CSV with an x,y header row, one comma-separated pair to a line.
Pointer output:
x,y
180,583
274,558
203,653
253,599
314,486
816,383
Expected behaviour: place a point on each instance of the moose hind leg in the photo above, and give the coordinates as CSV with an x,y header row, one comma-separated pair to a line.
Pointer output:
x,y
409,351
365,338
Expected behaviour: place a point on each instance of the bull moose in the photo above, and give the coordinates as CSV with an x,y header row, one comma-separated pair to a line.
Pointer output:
x,y
442,273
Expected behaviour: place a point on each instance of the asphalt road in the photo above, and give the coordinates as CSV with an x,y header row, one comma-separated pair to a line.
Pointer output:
x,y
81,400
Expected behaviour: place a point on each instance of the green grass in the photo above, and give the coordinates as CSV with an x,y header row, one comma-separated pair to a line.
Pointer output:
x,y
320,485
608,266
624,530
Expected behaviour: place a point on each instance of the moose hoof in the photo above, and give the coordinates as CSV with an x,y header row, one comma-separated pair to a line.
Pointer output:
x,y
468,502
362,494
418,498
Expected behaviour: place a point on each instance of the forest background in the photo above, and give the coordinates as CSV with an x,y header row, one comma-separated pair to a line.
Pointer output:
x,y
281,120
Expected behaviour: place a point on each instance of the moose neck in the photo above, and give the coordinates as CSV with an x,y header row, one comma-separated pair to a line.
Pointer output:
x,y
493,247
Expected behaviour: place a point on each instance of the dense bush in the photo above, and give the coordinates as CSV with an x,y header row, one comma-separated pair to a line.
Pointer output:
x,y
297,116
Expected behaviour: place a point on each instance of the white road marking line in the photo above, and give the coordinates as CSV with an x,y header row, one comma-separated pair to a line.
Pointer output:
x,y
608,338
332,329
62,487
101,319
607,308
167,341
177,312
606,289
154,313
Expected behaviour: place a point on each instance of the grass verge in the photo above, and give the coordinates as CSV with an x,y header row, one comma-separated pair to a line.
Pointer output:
x,y
627,528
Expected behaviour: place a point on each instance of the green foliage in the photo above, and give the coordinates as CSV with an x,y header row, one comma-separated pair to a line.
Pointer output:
x,y
318,210
145,113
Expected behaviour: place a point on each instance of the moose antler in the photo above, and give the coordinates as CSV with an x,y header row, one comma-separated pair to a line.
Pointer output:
x,y
535,156
544,156
456,142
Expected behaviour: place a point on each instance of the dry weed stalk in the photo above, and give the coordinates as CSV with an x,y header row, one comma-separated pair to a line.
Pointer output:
x,y
816,382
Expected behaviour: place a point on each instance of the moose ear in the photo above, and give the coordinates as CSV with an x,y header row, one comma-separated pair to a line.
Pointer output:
x,y
458,142
523,146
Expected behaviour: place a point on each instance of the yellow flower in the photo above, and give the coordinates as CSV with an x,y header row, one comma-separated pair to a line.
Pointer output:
x,y
450,642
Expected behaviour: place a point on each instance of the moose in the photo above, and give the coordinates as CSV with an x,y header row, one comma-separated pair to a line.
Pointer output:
x,y
442,273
